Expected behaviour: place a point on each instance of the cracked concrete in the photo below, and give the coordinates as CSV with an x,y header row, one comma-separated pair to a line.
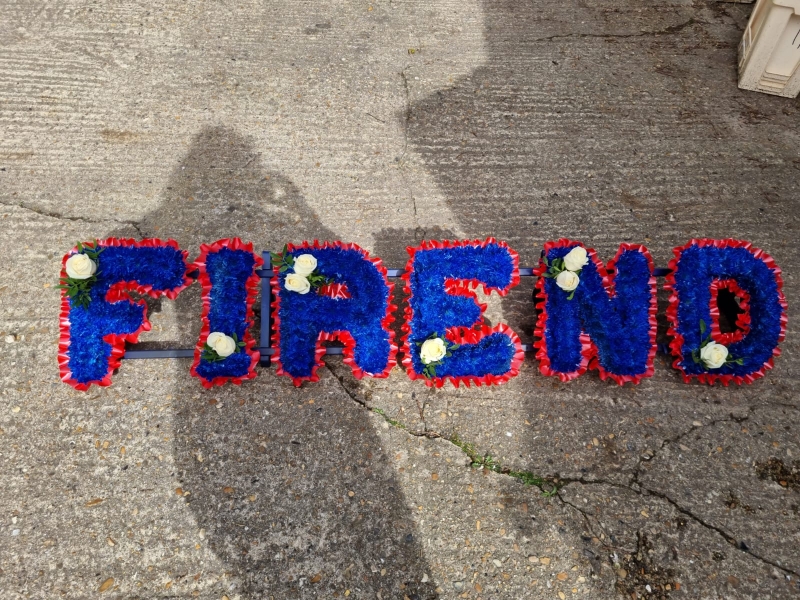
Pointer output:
x,y
386,123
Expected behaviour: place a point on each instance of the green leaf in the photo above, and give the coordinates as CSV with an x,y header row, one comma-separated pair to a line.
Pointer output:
x,y
80,247
235,338
702,327
739,361
454,346
283,269
571,294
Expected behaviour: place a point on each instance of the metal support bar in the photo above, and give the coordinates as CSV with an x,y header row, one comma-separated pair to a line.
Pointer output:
x,y
266,349
266,310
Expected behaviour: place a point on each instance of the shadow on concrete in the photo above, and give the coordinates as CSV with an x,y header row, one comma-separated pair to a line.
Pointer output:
x,y
292,487
610,123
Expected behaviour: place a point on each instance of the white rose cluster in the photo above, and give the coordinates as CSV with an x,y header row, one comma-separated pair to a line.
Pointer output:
x,y
223,345
574,261
304,266
80,266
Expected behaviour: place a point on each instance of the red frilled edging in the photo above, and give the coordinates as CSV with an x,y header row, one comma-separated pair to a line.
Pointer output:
x,y
742,320
336,291
252,285
589,351
676,345
117,293
463,335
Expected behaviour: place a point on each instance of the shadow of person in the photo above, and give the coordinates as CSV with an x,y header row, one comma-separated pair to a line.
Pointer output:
x,y
291,486
585,122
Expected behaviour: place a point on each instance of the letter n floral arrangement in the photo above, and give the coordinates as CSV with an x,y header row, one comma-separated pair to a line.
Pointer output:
x,y
593,316
446,337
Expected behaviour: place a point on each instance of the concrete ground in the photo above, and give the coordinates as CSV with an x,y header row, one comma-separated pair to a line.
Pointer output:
x,y
384,123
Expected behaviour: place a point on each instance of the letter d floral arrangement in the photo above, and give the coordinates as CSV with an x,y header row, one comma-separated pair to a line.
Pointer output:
x,y
592,316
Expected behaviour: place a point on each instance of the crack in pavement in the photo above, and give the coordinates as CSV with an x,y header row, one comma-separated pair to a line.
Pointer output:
x,y
60,217
672,29
730,419
424,433
634,485
637,488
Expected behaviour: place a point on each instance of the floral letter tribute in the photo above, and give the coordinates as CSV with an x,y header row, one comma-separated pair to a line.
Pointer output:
x,y
700,270
230,286
590,319
446,337
97,314
591,316
331,291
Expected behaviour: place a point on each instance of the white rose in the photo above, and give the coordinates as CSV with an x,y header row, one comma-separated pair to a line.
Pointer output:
x,y
305,264
432,350
576,259
713,355
80,266
297,283
222,344
567,281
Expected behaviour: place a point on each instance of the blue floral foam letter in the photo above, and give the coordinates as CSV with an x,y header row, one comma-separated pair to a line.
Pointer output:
x,y
227,274
699,270
346,297
591,319
446,337
93,334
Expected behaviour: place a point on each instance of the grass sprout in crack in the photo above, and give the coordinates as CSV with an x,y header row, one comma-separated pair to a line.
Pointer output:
x,y
487,461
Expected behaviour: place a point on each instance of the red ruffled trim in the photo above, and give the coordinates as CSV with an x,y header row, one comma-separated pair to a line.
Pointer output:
x,y
465,335
252,285
117,293
676,345
589,352
342,335
742,320
336,291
